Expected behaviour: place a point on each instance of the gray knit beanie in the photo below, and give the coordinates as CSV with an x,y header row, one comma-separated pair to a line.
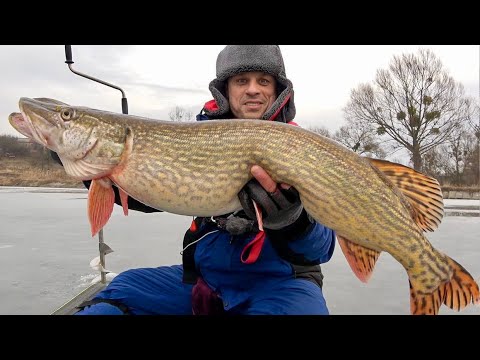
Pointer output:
x,y
235,59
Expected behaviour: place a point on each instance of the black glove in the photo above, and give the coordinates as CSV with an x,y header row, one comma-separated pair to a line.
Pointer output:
x,y
279,209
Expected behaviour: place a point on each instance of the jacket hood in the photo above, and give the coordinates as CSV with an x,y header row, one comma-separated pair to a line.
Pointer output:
x,y
236,59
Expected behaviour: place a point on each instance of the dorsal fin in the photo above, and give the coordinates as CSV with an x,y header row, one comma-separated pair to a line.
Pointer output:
x,y
423,192
361,259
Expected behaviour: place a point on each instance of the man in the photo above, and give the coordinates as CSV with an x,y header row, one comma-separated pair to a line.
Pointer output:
x,y
230,264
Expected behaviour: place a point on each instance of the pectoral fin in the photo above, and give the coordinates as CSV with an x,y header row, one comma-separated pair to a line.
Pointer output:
x,y
101,198
361,259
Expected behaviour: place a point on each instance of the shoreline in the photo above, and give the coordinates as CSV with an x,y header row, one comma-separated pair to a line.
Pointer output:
x,y
452,207
42,189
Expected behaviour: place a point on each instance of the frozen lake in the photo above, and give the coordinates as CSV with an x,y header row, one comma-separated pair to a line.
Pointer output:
x,y
46,248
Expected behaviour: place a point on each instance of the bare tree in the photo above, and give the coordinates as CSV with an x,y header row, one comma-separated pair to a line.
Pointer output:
x,y
360,137
474,160
436,162
472,167
322,130
474,121
461,145
453,161
415,102
180,114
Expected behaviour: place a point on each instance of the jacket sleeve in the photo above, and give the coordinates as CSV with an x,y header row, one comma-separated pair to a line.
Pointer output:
x,y
306,237
132,203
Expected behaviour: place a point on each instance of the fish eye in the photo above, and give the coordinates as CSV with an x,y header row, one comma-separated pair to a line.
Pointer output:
x,y
66,114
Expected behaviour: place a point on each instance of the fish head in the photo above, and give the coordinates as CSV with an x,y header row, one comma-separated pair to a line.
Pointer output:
x,y
86,141
39,120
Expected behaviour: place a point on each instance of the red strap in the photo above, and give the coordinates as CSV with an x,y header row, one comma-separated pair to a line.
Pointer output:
x,y
193,226
253,248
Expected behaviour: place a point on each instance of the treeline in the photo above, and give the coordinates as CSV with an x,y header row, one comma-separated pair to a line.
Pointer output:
x,y
11,147
15,147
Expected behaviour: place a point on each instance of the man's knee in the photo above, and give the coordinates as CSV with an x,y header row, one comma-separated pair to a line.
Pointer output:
x,y
100,308
292,297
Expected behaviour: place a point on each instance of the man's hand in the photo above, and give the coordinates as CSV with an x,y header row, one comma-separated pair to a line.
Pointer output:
x,y
280,203
265,180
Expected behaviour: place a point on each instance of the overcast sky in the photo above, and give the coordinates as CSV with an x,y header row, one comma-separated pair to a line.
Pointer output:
x,y
156,78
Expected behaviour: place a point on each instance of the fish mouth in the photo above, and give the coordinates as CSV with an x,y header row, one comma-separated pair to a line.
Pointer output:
x,y
35,133
34,119
17,120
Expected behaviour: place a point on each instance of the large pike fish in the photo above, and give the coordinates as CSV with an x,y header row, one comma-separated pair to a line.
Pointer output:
x,y
198,169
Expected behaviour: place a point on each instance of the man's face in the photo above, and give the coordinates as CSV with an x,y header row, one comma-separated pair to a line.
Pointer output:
x,y
251,94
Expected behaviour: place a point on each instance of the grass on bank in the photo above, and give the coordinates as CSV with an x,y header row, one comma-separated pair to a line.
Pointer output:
x,y
19,171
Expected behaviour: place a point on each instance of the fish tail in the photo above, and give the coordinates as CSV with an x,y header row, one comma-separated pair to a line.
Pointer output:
x,y
457,293
462,289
